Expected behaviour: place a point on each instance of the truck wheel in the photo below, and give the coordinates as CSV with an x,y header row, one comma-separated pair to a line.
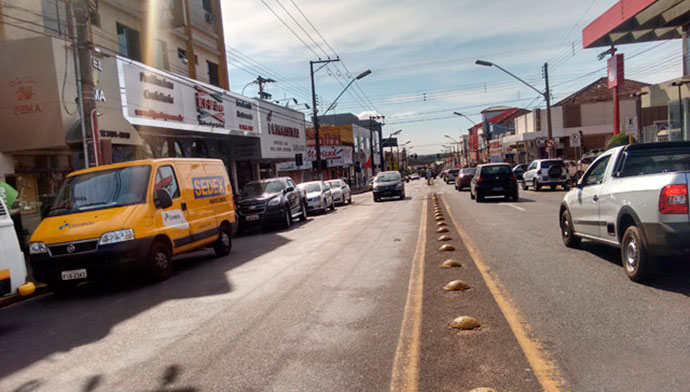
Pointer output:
x,y
223,245
637,262
567,234
160,261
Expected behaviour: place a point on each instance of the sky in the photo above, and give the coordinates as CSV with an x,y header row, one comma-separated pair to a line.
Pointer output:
x,y
422,54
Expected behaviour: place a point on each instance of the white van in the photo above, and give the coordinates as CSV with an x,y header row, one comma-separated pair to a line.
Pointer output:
x,y
12,265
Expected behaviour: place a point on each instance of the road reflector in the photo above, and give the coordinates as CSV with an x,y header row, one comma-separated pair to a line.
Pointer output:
x,y
450,263
440,218
442,223
456,285
447,248
444,238
465,322
442,230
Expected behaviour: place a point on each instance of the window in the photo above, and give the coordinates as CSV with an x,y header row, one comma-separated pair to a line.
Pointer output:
x,y
596,172
181,53
213,73
161,54
128,42
207,6
54,17
496,170
165,179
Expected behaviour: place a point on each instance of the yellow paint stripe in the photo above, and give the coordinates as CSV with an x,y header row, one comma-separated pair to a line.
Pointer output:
x,y
543,367
405,376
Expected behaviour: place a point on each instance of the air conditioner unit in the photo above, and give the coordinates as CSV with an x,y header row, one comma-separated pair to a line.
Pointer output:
x,y
210,18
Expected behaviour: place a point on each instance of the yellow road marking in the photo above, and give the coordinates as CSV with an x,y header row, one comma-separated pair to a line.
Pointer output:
x,y
405,376
544,368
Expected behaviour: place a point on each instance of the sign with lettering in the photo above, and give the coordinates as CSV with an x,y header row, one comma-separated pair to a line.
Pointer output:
x,y
282,132
208,186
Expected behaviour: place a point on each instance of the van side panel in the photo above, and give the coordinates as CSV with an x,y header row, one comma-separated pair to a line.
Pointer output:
x,y
199,192
224,206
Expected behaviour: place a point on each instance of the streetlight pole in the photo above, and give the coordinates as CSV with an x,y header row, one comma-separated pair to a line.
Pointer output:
x,y
546,94
390,141
465,148
317,142
457,144
358,77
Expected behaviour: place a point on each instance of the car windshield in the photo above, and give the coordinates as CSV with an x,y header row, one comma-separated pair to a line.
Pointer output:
x,y
388,177
312,187
548,164
254,189
653,161
102,189
495,170
333,184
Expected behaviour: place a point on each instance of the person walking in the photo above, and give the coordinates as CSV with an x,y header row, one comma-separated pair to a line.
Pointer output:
x,y
428,176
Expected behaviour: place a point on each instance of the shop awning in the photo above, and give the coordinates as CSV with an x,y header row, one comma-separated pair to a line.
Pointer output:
x,y
634,21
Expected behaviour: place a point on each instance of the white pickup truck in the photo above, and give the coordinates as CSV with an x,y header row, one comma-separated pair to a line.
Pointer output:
x,y
634,197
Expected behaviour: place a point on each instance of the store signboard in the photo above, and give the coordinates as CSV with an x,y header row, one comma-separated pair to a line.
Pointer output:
x,y
336,156
616,75
151,97
282,132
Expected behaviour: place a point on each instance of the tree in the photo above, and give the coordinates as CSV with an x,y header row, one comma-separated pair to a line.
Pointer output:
x,y
621,139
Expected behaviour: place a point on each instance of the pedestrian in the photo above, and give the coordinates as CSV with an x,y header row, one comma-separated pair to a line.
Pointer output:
x,y
428,176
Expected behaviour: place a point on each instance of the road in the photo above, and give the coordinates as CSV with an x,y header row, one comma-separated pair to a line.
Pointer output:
x,y
327,304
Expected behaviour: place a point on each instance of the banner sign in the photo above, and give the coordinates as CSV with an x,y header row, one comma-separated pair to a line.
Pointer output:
x,y
7,194
616,74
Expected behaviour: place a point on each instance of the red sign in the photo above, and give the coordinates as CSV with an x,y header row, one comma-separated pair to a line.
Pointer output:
x,y
615,70
209,106
474,139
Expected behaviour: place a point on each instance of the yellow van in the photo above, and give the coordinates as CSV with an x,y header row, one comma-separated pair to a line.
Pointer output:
x,y
137,213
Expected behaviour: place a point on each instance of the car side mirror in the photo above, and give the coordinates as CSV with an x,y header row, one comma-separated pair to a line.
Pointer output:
x,y
163,199
289,189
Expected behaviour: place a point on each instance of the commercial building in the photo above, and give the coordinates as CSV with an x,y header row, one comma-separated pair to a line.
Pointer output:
x,y
663,108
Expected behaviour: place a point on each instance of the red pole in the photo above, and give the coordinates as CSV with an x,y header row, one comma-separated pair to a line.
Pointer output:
x,y
616,112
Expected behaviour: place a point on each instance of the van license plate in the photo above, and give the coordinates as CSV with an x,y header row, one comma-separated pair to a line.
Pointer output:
x,y
252,218
74,274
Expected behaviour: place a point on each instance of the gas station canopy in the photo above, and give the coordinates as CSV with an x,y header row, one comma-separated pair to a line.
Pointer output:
x,y
634,21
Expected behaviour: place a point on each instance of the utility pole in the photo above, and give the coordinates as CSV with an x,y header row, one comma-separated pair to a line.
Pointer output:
x,y
84,73
317,142
547,98
371,144
261,81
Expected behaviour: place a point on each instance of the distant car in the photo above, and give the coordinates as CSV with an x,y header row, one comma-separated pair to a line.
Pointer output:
x,y
370,185
519,170
319,196
494,179
341,191
450,176
464,178
546,172
388,184
414,176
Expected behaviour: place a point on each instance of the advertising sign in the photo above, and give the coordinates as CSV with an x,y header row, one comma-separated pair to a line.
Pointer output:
x,y
335,156
331,135
152,97
282,132
615,70
7,194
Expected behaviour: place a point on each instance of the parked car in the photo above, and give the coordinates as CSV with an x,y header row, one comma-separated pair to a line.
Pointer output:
x,y
319,196
633,197
276,200
388,184
464,178
370,184
12,264
414,177
493,179
545,172
133,214
586,160
450,176
341,191
519,170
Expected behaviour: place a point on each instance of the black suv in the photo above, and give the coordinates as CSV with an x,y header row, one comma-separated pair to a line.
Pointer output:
x,y
276,200
493,179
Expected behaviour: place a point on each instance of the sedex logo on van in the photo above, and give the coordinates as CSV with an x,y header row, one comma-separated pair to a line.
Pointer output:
x,y
208,186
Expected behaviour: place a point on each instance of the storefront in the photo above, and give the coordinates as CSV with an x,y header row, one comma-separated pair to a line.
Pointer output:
x,y
283,140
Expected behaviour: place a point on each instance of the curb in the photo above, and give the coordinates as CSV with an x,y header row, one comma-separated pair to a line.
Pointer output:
x,y
41,289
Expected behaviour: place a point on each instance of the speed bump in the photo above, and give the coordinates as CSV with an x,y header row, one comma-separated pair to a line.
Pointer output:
x,y
440,218
456,285
442,230
441,223
446,248
444,238
450,263
465,322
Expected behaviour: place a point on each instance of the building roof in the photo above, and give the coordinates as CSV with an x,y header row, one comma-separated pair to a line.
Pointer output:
x,y
599,91
633,21
496,109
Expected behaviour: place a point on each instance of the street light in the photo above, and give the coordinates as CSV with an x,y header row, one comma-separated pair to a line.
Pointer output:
x,y
358,77
317,142
458,148
546,94
390,141
462,115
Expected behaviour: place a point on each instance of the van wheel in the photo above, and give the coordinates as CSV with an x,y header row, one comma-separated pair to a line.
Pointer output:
x,y
223,245
567,234
303,216
637,263
160,261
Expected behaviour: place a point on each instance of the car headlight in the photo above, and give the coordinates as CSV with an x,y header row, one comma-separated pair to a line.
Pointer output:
x,y
36,248
399,186
116,236
274,202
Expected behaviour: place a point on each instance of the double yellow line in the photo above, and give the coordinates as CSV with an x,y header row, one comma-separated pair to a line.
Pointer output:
x,y
405,375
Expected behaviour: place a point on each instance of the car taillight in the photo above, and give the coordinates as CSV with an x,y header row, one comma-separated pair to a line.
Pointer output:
x,y
479,179
512,176
674,199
